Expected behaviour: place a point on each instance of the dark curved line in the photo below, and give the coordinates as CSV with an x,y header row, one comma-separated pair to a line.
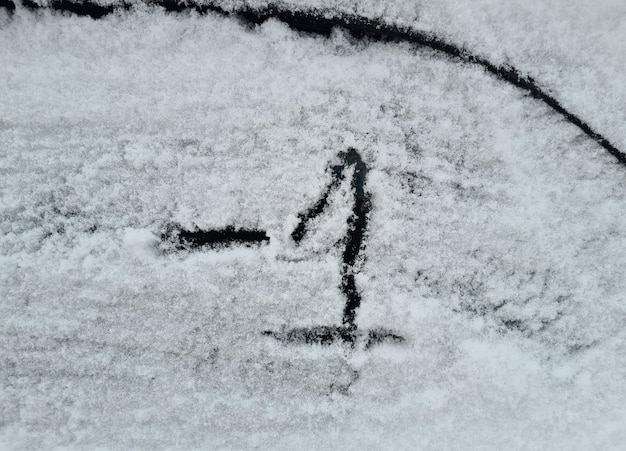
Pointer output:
x,y
322,23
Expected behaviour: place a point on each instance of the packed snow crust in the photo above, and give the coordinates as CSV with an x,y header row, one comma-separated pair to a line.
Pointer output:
x,y
495,245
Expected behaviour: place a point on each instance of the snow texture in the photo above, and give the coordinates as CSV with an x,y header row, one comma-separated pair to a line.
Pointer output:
x,y
495,243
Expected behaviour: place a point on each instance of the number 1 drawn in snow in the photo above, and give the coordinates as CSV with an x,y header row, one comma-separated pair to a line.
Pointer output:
x,y
348,332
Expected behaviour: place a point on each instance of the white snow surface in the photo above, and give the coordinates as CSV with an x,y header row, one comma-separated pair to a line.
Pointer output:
x,y
576,49
495,243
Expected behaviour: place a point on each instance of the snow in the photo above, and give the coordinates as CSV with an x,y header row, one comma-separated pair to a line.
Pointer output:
x,y
495,244
575,48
